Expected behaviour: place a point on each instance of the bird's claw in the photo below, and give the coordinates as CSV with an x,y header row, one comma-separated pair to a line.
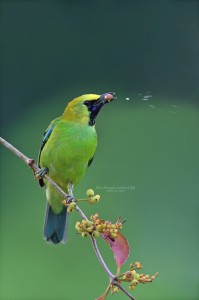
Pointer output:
x,y
41,173
70,199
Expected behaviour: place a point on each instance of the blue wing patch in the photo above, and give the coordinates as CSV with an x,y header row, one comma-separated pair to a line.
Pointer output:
x,y
90,161
46,136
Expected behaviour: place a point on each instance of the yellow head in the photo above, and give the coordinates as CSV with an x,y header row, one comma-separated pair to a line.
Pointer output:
x,y
84,109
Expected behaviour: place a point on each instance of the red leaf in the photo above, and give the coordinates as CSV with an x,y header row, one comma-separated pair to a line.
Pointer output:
x,y
103,297
120,248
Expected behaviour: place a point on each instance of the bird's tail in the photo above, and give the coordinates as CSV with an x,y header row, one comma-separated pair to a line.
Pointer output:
x,y
55,226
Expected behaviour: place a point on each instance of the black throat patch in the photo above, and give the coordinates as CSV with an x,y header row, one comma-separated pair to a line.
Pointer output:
x,y
94,107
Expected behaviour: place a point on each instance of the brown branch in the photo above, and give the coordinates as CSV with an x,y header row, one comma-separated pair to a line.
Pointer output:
x,y
110,275
115,282
30,162
35,168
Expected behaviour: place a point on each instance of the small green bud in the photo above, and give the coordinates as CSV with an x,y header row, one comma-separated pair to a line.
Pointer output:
x,y
113,230
96,198
115,290
89,223
72,205
89,229
89,193
137,276
84,234
77,227
91,201
134,282
131,287
81,229
95,234
133,272
100,228
113,235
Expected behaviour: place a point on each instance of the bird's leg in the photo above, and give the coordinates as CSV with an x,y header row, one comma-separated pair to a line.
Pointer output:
x,y
41,173
71,198
70,189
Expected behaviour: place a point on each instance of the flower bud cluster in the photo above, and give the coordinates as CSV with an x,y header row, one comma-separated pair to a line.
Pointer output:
x,y
106,227
114,289
134,278
87,227
137,265
92,198
146,278
97,226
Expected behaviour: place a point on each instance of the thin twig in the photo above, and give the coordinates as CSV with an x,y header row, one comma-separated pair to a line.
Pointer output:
x,y
30,162
82,214
115,282
110,275
35,168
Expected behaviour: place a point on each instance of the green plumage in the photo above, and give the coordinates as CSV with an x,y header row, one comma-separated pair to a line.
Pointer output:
x,y
66,154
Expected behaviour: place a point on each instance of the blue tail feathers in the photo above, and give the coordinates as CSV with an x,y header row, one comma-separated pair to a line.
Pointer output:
x,y
55,226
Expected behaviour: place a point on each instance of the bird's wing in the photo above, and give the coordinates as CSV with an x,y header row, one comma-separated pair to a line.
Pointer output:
x,y
46,136
90,161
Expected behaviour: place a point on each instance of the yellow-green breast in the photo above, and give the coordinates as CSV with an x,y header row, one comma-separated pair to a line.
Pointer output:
x,y
66,154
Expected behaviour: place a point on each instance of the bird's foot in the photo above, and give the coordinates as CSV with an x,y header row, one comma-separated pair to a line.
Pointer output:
x,y
70,197
41,173
69,200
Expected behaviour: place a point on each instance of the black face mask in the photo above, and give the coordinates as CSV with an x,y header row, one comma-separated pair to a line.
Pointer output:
x,y
94,107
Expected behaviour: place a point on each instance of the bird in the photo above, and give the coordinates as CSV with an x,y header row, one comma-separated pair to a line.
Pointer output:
x,y
67,150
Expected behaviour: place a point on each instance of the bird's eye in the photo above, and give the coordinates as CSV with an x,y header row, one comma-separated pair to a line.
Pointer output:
x,y
87,103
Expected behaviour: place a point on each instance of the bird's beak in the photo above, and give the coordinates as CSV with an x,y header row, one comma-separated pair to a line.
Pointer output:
x,y
104,98
107,97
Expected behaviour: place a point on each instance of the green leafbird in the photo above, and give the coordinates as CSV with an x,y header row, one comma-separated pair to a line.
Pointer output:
x,y
67,150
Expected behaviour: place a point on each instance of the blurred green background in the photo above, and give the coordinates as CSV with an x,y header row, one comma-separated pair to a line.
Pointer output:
x,y
52,51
